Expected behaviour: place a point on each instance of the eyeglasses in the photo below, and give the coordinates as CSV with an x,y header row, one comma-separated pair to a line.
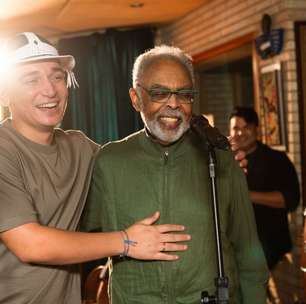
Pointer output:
x,y
162,95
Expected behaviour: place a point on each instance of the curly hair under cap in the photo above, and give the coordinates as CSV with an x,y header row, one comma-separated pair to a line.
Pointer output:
x,y
163,52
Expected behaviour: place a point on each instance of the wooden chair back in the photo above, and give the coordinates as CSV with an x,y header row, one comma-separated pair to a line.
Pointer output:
x,y
96,285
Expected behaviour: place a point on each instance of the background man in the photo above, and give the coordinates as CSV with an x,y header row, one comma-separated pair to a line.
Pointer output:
x,y
273,185
164,167
44,178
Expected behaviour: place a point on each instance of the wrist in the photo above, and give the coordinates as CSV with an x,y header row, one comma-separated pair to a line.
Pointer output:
x,y
127,243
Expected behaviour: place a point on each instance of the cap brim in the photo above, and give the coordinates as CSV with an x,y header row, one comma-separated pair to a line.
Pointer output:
x,y
67,61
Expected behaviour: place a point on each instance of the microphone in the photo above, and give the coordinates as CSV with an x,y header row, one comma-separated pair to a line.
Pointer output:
x,y
209,135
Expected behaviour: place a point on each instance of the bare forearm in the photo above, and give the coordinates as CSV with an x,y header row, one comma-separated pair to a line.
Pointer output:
x,y
33,243
273,199
56,247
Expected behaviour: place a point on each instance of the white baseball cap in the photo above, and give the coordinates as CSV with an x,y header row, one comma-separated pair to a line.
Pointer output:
x,y
27,47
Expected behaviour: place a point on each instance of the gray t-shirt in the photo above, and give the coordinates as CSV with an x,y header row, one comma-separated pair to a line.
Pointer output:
x,y
47,185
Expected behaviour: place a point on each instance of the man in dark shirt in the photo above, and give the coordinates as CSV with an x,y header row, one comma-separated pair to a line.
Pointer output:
x,y
273,185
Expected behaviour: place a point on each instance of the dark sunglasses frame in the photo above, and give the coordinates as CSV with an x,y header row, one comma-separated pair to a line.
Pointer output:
x,y
162,95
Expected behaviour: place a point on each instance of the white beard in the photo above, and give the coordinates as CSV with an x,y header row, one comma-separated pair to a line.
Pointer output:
x,y
167,136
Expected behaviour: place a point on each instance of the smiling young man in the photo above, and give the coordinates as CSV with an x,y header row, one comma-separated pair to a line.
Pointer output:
x,y
38,99
44,179
163,166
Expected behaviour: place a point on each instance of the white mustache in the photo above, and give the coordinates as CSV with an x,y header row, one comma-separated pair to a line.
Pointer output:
x,y
171,113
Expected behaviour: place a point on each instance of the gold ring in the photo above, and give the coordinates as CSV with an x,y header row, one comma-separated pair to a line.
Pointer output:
x,y
164,247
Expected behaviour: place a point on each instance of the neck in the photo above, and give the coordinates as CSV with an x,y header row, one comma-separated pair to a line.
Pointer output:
x,y
250,149
39,136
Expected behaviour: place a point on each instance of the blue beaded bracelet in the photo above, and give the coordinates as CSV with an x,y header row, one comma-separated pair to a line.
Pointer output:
x,y
126,243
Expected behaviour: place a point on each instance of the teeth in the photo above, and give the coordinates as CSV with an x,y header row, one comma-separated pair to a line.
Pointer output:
x,y
48,105
169,119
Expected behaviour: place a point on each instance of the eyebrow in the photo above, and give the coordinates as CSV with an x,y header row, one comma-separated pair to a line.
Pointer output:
x,y
28,74
241,127
36,73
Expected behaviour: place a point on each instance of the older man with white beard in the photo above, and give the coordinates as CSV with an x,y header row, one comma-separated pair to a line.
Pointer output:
x,y
163,167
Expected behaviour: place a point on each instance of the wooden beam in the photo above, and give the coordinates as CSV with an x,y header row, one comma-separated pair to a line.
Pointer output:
x,y
226,47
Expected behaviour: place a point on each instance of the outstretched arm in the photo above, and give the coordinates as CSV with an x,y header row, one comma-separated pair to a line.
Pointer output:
x,y
34,243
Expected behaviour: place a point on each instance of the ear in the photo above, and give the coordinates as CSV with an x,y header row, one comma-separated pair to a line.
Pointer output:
x,y
134,99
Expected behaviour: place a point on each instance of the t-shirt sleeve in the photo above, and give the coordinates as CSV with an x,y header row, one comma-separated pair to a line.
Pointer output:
x,y
91,219
249,255
16,206
86,140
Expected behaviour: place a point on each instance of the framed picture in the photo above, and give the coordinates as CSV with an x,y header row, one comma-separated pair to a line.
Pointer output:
x,y
272,107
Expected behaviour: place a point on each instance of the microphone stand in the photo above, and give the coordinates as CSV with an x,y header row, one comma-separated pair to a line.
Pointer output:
x,y
221,282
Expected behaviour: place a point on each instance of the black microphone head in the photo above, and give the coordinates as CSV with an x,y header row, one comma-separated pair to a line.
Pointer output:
x,y
208,134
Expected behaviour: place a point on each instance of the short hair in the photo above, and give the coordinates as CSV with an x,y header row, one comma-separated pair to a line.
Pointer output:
x,y
247,113
163,52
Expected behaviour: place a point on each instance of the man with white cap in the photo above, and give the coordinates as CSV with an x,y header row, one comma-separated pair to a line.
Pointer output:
x,y
44,178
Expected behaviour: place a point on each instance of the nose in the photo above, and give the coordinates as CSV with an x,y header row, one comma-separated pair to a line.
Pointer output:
x,y
48,88
173,101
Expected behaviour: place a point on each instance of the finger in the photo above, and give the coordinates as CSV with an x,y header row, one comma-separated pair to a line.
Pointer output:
x,y
240,155
151,219
172,237
174,247
166,257
169,227
243,163
163,246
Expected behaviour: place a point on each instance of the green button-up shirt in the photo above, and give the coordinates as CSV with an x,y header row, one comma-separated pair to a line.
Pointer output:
x,y
135,177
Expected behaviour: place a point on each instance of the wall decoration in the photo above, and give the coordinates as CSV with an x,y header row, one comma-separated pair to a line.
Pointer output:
x,y
272,107
271,42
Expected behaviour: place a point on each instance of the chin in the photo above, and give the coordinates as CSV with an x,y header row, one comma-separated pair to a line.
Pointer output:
x,y
51,123
163,132
168,136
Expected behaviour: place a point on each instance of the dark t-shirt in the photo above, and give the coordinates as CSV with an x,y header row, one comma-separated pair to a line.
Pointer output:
x,y
271,170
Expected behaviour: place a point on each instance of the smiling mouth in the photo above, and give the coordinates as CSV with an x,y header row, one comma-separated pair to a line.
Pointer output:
x,y
169,119
170,122
49,105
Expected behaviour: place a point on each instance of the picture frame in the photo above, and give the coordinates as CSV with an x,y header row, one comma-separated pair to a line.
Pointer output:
x,y
272,107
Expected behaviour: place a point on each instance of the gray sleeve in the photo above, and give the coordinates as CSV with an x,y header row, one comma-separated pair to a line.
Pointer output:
x,y
92,216
16,206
